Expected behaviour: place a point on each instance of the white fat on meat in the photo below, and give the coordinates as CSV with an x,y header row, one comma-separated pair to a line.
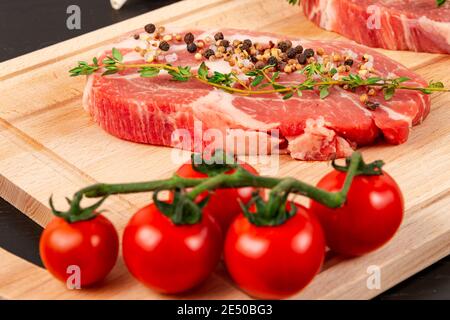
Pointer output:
x,y
309,145
396,116
436,28
327,11
217,110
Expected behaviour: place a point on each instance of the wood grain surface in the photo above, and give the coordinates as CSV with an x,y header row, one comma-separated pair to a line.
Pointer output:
x,y
49,145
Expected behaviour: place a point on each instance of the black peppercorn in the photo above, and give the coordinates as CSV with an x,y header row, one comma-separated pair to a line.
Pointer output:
x,y
272,61
309,53
164,46
225,43
348,62
248,42
244,47
298,49
218,36
253,59
191,47
208,53
136,36
284,45
302,58
291,53
188,38
150,28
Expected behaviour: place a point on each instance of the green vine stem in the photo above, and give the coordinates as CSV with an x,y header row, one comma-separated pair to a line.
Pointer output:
x,y
281,187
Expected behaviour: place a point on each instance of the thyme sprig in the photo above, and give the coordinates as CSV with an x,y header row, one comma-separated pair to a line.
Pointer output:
x,y
260,81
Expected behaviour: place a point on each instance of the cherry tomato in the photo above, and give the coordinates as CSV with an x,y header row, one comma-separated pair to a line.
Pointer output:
x,y
91,245
170,258
223,204
275,262
370,217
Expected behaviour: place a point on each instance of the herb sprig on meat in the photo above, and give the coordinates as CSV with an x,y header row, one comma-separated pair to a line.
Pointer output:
x,y
260,81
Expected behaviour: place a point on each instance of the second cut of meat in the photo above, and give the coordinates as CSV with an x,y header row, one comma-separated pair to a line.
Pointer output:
x,y
413,25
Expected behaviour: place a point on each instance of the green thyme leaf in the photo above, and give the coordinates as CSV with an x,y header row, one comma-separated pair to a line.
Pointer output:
x,y
117,55
149,72
432,85
288,95
203,71
253,73
373,80
324,92
182,74
402,79
222,79
277,86
435,84
83,68
388,93
185,71
257,80
109,71
275,76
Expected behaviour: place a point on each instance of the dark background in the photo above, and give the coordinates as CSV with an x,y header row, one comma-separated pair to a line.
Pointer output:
x,y
28,25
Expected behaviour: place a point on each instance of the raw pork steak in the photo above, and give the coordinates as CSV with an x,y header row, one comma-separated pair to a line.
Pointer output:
x,y
415,25
156,110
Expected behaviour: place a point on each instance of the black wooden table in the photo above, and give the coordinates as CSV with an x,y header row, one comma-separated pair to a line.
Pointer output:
x,y
27,25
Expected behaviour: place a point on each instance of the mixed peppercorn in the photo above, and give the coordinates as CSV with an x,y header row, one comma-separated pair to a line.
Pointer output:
x,y
246,55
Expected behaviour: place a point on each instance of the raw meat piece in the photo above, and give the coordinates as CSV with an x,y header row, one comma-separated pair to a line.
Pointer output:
x,y
415,25
191,115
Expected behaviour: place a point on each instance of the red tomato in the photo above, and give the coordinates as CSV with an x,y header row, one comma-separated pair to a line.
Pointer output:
x,y
275,262
223,204
170,258
370,217
91,245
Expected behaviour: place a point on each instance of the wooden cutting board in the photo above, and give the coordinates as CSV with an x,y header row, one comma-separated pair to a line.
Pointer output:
x,y
49,145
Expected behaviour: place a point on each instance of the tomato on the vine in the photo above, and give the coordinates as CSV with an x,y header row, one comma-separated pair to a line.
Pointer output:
x,y
91,245
275,262
167,257
223,204
369,218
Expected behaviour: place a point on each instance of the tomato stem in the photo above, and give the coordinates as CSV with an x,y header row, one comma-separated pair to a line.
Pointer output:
x,y
281,188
